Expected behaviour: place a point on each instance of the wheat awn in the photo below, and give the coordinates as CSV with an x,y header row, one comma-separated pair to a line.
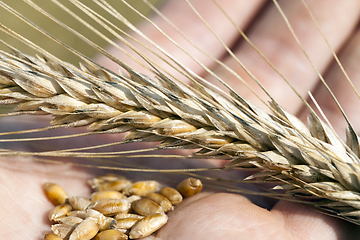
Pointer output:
x,y
312,166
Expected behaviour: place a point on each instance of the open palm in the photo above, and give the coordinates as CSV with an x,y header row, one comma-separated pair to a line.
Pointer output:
x,y
220,215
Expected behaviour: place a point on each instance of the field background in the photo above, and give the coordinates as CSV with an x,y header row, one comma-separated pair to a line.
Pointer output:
x,y
59,32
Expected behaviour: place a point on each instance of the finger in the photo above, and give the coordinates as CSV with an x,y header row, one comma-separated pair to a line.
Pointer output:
x,y
349,57
272,37
24,211
186,20
221,216
305,223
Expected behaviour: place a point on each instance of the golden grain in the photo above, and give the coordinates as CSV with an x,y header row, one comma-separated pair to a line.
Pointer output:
x,y
161,200
106,194
128,215
69,220
142,188
171,128
52,236
110,207
90,213
79,203
189,187
77,220
55,193
117,185
111,234
124,223
63,230
106,223
86,230
59,211
76,213
172,194
146,207
97,181
148,225
132,198
103,221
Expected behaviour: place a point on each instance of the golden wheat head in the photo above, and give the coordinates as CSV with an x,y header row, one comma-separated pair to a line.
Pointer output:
x,y
311,165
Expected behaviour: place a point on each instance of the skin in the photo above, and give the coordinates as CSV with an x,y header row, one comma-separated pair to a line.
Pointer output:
x,y
212,215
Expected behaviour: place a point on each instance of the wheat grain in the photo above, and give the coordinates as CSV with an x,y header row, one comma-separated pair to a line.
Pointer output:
x,y
79,203
111,234
161,200
124,223
111,207
55,193
142,188
87,229
82,220
106,194
127,215
312,165
172,194
59,211
189,187
51,236
63,230
146,207
70,220
148,225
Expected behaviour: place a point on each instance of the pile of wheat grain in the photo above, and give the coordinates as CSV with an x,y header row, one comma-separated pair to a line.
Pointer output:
x,y
118,209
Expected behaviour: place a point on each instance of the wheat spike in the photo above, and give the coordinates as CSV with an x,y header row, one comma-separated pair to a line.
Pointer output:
x,y
311,165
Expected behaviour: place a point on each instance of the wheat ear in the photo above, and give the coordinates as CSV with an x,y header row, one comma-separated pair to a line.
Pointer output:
x,y
312,165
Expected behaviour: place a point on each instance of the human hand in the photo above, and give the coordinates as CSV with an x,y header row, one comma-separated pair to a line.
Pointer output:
x,y
207,215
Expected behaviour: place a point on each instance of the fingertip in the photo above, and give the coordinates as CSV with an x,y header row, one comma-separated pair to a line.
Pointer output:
x,y
221,216
304,222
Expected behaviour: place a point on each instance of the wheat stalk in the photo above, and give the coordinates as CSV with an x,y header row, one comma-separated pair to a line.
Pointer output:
x,y
312,166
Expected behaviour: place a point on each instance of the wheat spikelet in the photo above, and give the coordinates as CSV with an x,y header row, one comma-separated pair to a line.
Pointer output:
x,y
312,166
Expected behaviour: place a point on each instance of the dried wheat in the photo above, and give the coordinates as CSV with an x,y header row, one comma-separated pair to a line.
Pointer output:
x,y
223,128
79,219
312,165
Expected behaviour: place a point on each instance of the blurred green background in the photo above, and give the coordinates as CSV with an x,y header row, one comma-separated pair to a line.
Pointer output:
x,y
10,21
